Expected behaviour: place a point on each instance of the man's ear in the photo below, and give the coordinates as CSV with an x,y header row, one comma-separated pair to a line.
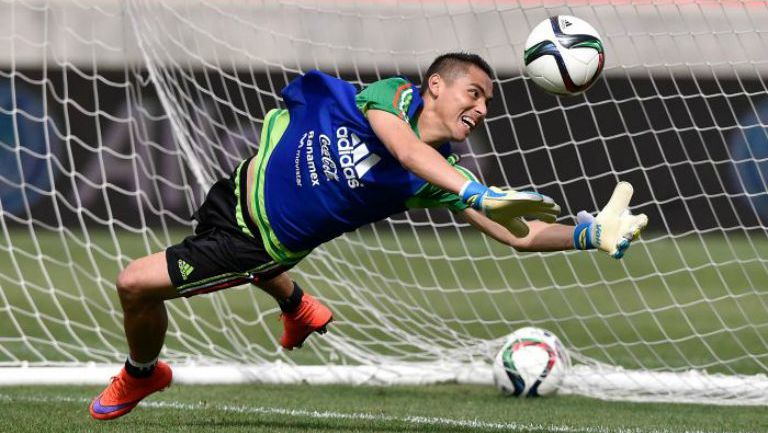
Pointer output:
x,y
435,83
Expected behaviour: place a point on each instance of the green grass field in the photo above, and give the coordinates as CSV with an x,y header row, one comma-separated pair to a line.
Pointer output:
x,y
444,408
704,293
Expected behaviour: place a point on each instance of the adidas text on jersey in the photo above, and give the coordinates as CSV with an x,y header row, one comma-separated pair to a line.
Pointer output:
x,y
354,157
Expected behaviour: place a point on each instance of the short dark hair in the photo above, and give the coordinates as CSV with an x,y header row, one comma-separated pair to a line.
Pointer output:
x,y
448,64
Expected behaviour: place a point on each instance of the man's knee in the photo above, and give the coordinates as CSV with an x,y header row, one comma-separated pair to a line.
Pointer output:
x,y
134,288
129,286
145,280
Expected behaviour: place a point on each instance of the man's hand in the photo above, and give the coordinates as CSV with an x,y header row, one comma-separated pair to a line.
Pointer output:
x,y
507,206
614,228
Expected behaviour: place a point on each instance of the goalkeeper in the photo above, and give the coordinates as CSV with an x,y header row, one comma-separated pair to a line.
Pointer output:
x,y
335,160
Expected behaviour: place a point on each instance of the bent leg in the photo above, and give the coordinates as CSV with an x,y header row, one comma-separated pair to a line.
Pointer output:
x,y
302,314
280,287
143,286
285,291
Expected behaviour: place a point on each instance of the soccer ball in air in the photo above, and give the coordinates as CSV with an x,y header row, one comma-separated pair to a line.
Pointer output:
x,y
531,362
564,55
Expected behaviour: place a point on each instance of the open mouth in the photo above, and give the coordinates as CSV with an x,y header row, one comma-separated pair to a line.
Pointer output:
x,y
468,121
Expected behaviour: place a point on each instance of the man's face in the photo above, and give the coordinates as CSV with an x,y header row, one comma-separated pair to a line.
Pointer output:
x,y
462,102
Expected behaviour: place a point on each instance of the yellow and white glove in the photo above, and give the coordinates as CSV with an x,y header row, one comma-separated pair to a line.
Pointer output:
x,y
507,206
614,228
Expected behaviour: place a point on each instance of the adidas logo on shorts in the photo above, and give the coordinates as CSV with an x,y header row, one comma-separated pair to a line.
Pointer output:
x,y
185,269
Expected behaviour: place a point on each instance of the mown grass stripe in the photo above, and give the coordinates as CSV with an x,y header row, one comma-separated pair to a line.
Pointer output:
x,y
360,416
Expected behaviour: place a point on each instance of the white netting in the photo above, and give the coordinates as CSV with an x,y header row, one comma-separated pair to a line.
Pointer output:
x,y
116,117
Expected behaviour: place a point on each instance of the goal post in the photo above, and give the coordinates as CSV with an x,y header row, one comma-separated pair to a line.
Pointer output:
x,y
115,117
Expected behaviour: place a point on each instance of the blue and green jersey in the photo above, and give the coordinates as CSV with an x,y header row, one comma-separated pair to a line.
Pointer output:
x,y
321,171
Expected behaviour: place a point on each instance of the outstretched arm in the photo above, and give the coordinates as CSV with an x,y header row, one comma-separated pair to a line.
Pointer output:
x,y
611,231
503,205
541,236
415,155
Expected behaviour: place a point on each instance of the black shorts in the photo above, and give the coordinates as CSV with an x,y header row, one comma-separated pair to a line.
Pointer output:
x,y
219,255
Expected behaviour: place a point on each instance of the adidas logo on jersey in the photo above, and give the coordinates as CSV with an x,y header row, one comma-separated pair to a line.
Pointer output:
x,y
354,157
566,23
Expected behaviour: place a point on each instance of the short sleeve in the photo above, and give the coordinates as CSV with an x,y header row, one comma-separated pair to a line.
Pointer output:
x,y
393,95
430,196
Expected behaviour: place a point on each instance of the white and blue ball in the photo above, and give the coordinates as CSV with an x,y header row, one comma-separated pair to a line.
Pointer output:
x,y
532,362
564,55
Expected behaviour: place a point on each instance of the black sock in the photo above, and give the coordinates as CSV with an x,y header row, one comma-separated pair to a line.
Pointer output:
x,y
139,372
291,303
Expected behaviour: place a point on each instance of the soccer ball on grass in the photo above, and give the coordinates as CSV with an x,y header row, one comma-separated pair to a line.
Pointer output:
x,y
564,55
531,362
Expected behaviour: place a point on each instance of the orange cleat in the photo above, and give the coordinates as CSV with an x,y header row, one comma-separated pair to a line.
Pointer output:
x,y
311,316
126,391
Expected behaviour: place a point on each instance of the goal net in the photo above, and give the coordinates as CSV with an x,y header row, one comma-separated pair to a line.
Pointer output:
x,y
116,116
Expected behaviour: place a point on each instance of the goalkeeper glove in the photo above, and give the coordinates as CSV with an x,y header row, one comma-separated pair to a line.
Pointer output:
x,y
507,206
614,228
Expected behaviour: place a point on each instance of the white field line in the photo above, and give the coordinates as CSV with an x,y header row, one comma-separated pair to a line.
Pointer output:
x,y
352,416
